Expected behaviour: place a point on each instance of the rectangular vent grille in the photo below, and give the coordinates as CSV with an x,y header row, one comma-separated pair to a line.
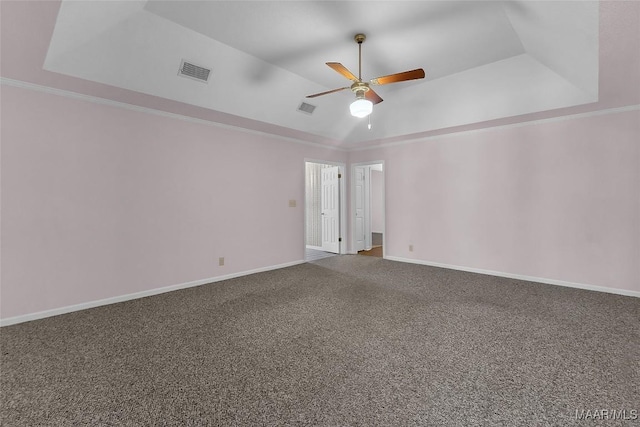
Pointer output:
x,y
306,108
195,72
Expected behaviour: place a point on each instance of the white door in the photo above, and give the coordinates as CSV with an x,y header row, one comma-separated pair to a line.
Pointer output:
x,y
331,209
360,208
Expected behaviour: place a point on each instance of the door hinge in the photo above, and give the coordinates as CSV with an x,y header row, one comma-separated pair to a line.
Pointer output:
x,y
339,239
339,175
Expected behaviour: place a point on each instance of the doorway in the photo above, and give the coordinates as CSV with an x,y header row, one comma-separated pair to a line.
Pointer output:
x,y
324,209
368,207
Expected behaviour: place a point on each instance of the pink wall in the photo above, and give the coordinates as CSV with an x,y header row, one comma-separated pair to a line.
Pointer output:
x,y
100,201
555,200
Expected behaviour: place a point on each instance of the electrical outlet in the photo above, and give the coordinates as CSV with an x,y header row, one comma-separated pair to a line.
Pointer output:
x,y
221,261
292,203
410,248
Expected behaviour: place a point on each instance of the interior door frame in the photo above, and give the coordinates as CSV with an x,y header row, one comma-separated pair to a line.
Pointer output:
x,y
362,193
342,200
352,218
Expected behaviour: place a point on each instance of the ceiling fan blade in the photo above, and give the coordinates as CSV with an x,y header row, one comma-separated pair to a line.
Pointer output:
x,y
342,70
372,96
399,77
327,92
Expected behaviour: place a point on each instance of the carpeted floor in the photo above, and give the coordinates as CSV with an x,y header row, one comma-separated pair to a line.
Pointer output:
x,y
346,340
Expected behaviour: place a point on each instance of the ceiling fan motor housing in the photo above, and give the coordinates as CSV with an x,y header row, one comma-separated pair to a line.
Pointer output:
x,y
360,89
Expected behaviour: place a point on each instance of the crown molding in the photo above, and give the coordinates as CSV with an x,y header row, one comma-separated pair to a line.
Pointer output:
x,y
568,117
118,104
409,140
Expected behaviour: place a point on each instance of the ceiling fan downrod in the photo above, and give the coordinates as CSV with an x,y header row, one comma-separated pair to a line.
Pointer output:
x,y
360,88
360,38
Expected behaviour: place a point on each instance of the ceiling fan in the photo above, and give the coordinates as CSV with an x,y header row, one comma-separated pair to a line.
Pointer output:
x,y
365,96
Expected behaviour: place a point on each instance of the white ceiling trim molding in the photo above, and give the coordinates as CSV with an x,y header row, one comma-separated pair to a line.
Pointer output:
x,y
103,101
564,118
118,104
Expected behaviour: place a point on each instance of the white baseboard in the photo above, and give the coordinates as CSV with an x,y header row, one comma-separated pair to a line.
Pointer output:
x,y
112,300
625,292
315,248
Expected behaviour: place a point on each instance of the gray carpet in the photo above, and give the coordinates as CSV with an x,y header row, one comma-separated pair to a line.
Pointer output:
x,y
347,340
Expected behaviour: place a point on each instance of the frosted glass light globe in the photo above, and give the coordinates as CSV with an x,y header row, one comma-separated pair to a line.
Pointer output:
x,y
361,108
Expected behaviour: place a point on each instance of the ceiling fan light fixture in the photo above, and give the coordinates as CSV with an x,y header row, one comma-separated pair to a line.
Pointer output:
x,y
365,96
361,107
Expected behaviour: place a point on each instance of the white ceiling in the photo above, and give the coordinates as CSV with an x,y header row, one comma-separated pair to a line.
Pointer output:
x,y
483,60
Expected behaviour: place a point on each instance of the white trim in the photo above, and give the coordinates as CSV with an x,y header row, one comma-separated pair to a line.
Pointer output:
x,y
408,139
625,292
413,140
367,205
324,162
315,248
112,300
118,104
353,204
342,169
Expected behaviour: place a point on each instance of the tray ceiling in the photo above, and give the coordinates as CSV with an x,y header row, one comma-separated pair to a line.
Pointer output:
x,y
483,60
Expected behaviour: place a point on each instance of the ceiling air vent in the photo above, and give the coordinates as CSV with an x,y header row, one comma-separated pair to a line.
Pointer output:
x,y
306,108
194,72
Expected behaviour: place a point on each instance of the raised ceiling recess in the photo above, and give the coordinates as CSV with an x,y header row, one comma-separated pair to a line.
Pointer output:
x,y
483,60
